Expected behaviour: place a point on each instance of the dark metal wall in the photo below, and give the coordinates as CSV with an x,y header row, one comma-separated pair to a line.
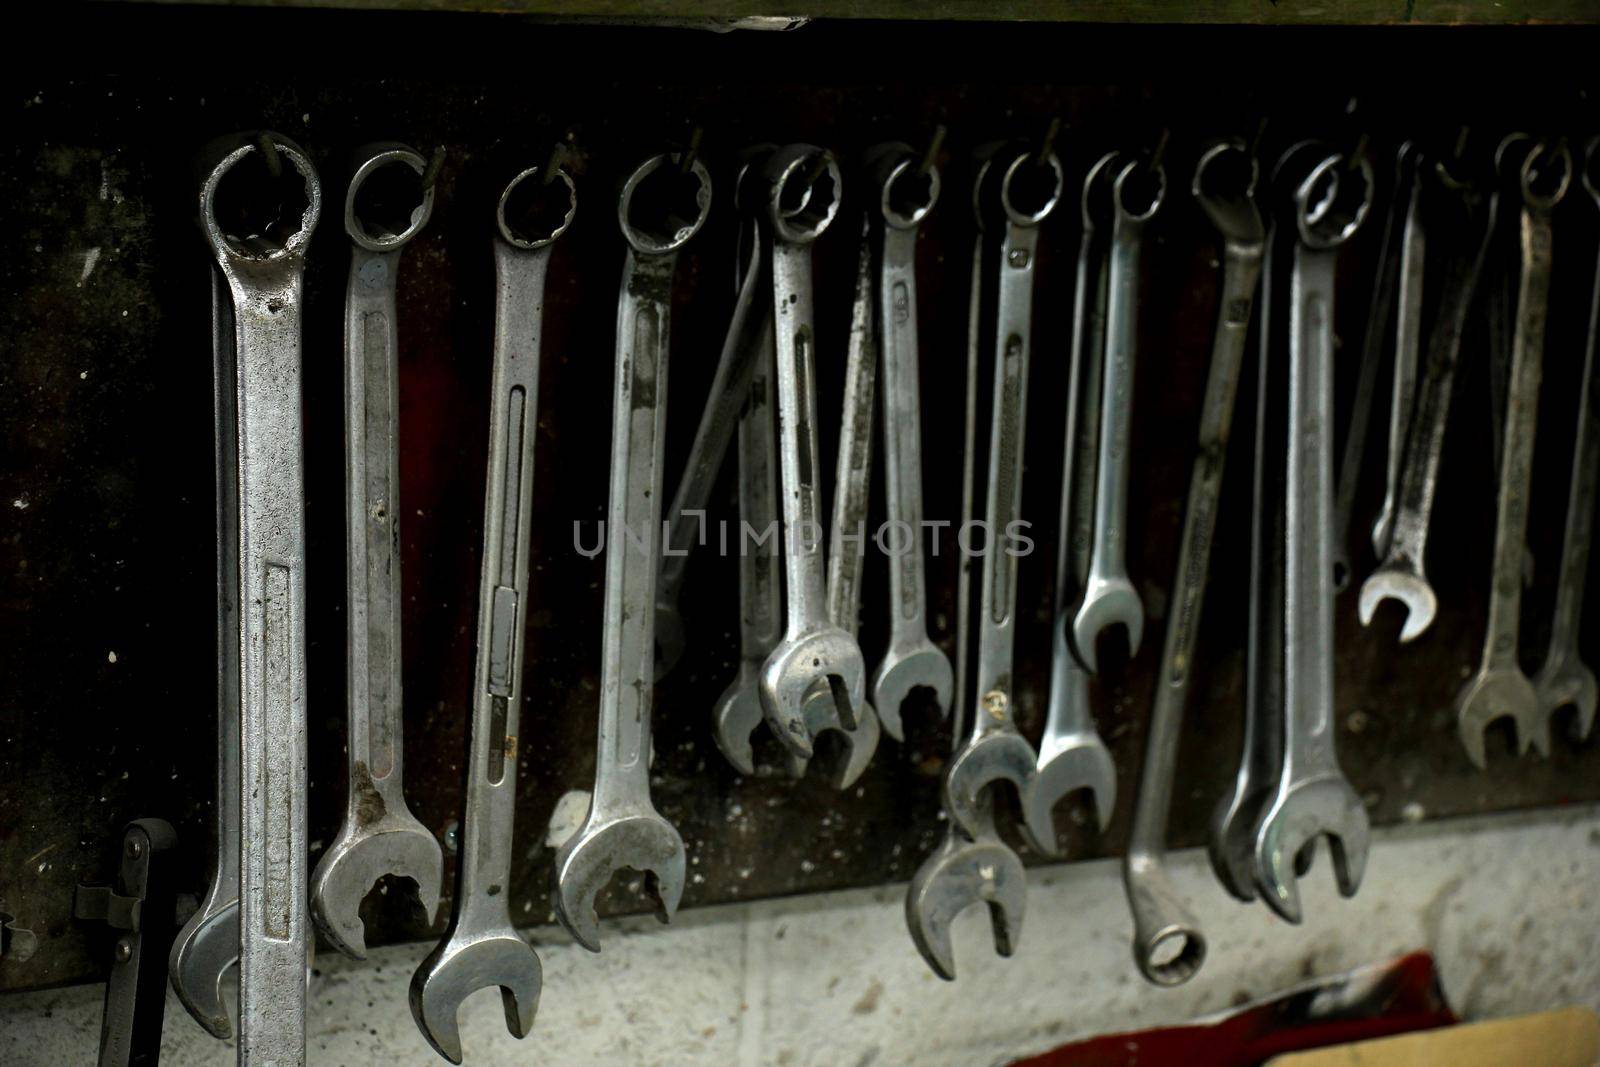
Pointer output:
x,y
107,594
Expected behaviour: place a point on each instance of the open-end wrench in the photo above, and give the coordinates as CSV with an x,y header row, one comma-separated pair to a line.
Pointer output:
x,y
1564,678
960,872
1313,798
1407,343
379,836
1499,688
663,204
1468,226
208,944
1108,597
847,532
482,949
816,656
1071,754
907,191
1021,195
1168,946
264,267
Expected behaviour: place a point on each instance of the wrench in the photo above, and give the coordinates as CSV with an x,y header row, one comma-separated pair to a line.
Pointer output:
x,y
208,944
1071,754
1312,798
622,828
815,654
481,948
264,271
906,193
961,872
1499,688
379,836
852,480
1027,192
1407,342
1400,576
1168,946
1564,678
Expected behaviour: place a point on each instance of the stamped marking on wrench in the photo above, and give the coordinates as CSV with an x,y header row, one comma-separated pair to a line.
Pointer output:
x,y
906,193
482,948
1168,946
1313,798
1564,678
660,209
1027,191
379,835
815,656
1499,689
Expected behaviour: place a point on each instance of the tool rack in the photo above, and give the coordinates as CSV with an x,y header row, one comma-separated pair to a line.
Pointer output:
x,y
107,596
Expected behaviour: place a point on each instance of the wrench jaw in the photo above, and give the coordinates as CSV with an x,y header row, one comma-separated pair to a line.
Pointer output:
x,y
585,863
859,744
1563,681
1400,580
461,965
1080,762
1231,845
1496,693
1107,602
1002,754
737,715
1168,947
824,663
394,845
962,873
1320,806
902,670
205,949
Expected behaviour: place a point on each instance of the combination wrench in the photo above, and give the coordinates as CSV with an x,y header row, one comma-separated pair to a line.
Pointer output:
x,y
1499,688
1108,597
1466,225
1025,192
379,835
1564,678
852,480
1313,799
262,259
1168,946
622,827
1071,754
960,873
481,948
816,657
208,945
906,193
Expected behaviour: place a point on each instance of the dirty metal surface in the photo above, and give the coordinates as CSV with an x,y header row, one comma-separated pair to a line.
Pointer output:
x,y
106,531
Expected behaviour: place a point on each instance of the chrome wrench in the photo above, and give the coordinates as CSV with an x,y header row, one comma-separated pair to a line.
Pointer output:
x,y
1407,343
482,949
906,193
1500,688
1168,946
264,270
815,656
622,827
1025,193
1312,798
379,835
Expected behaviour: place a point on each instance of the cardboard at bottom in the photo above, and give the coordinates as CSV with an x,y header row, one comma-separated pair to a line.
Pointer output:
x,y
1568,1037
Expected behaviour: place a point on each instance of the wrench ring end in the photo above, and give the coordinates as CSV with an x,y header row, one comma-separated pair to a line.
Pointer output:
x,y
653,223
533,244
386,240
229,248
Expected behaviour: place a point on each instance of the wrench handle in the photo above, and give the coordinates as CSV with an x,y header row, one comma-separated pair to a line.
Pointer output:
x,y
1407,344
638,431
1081,448
804,566
1109,556
969,462
225,403
760,575
902,433
853,474
372,515
1580,494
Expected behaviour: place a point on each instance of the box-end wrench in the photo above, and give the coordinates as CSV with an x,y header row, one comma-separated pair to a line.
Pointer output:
x,y
663,204
1025,193
379,835
262,257
1469,227
1168,945
1313,799
1500,689
1071,754
1564,678
481,948
1109,598
907,191
847,532
1407,343
960,872
815,656
208,944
